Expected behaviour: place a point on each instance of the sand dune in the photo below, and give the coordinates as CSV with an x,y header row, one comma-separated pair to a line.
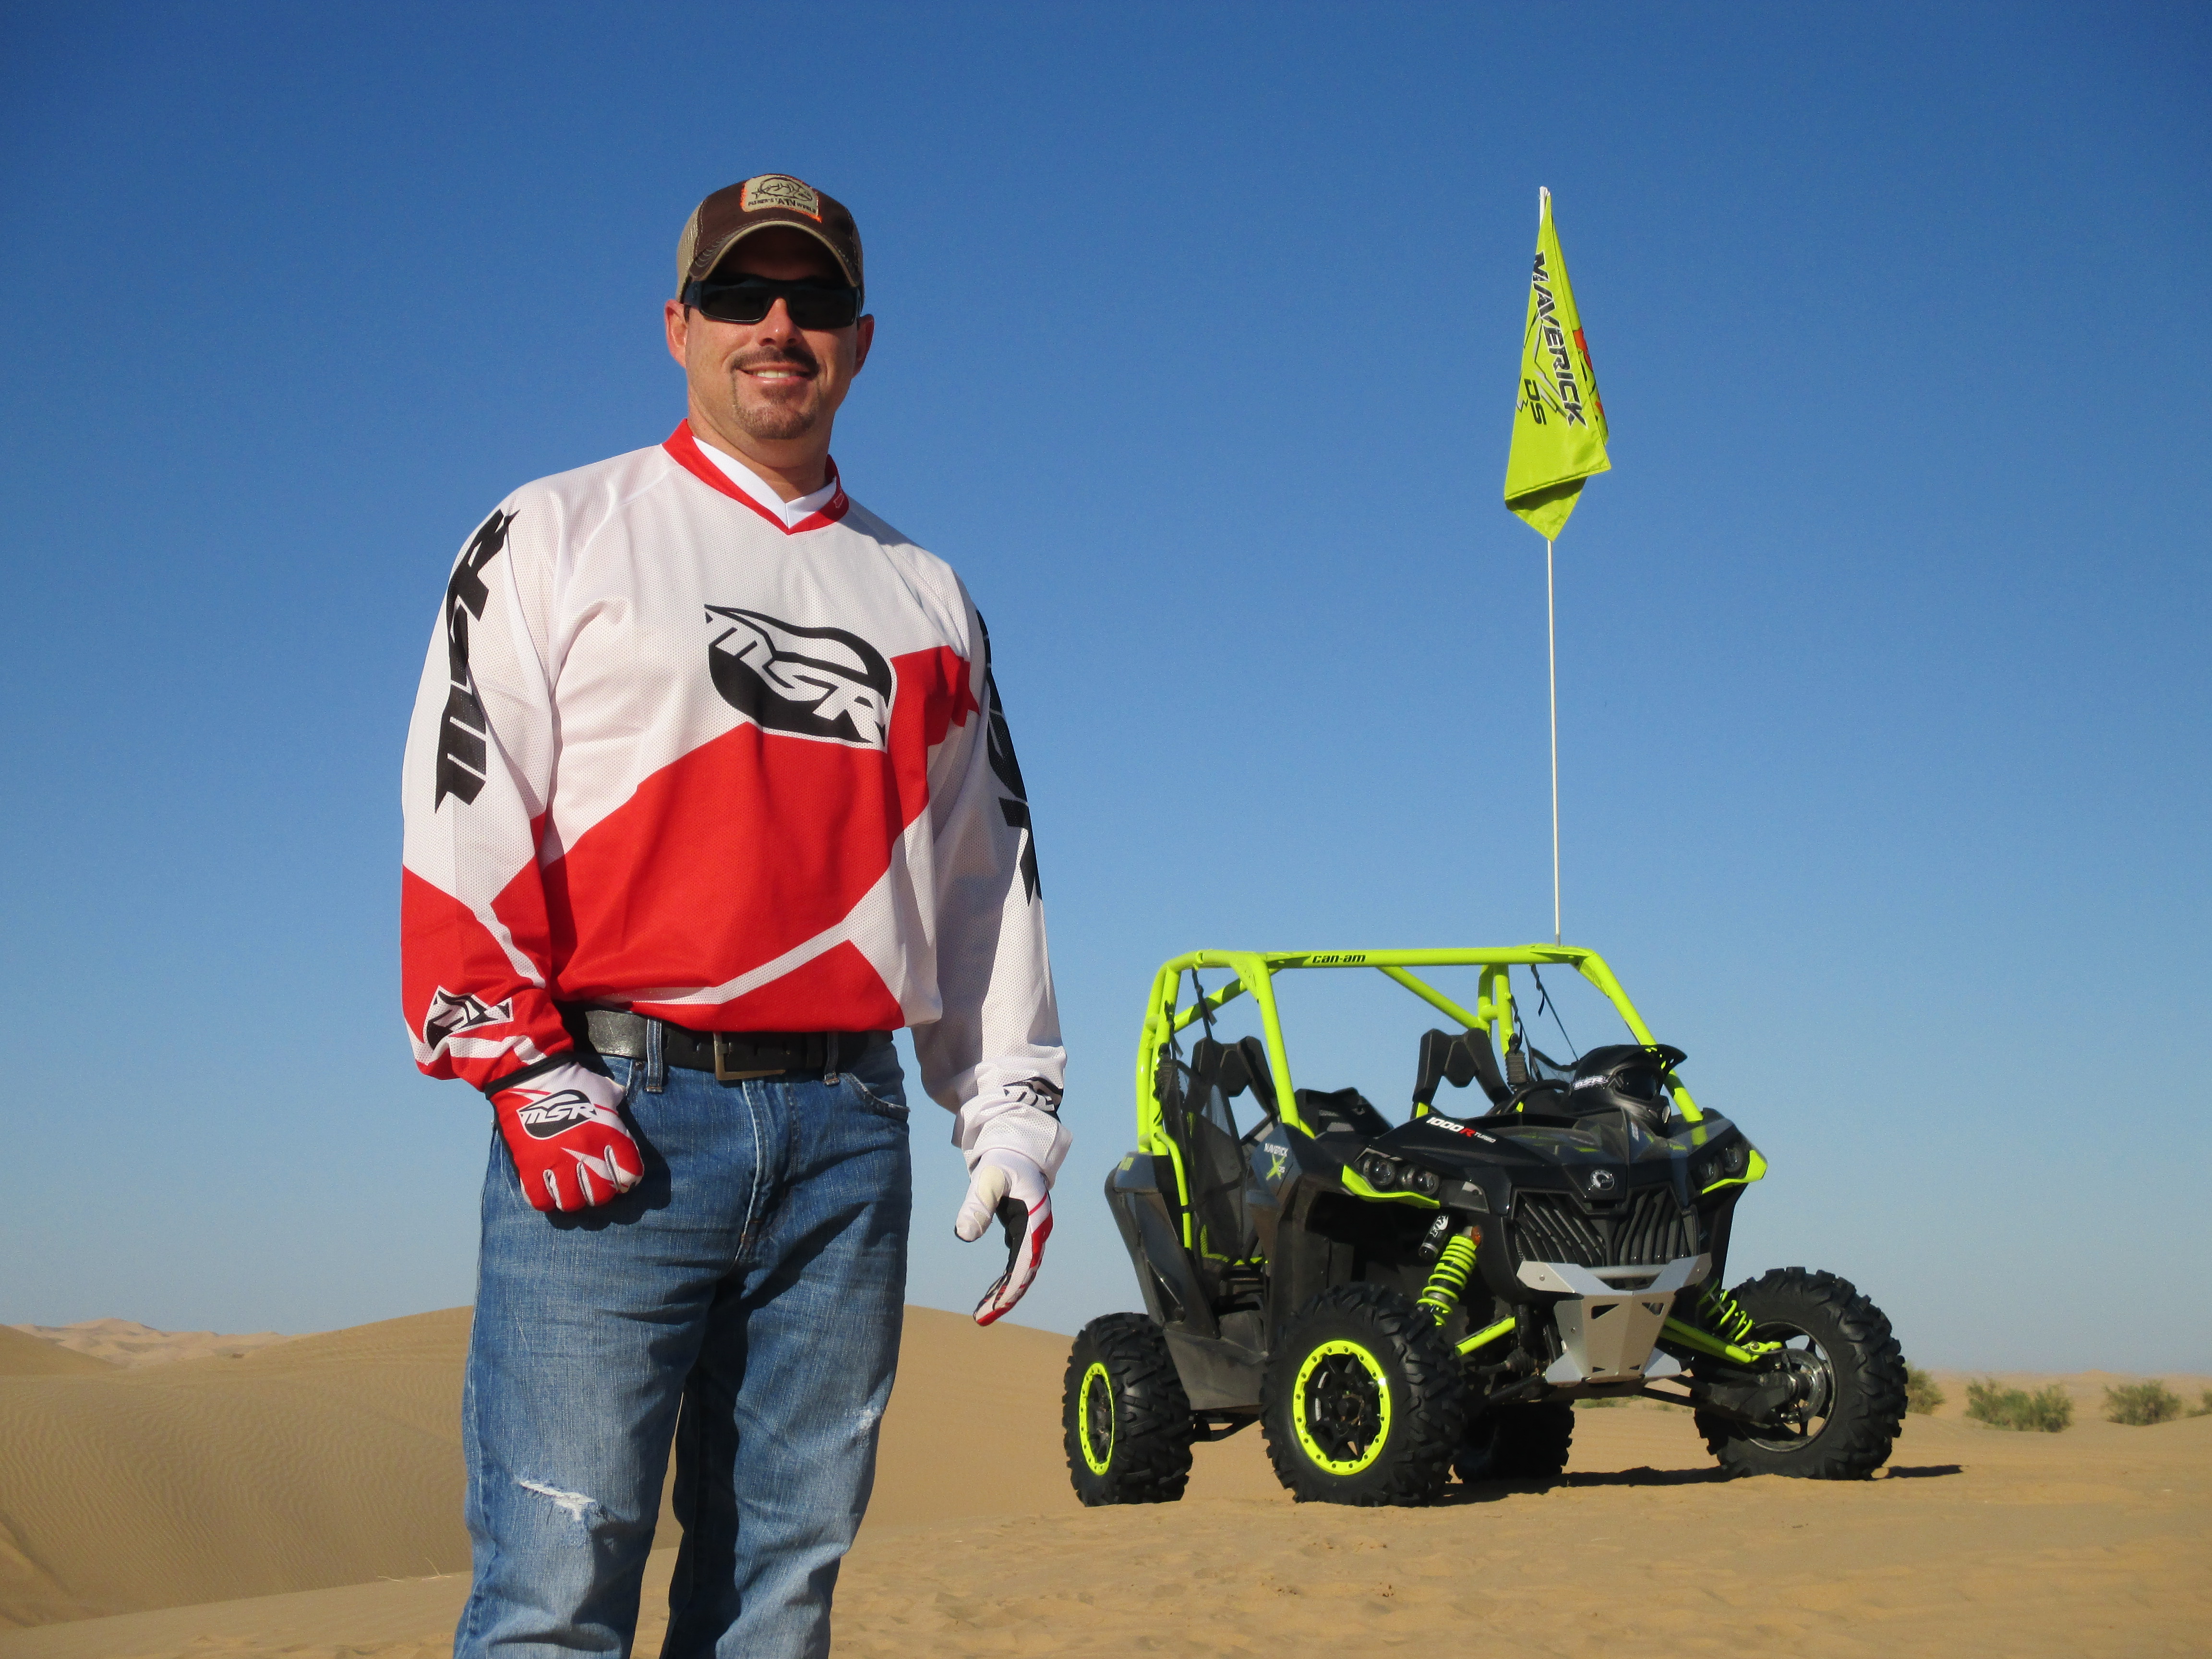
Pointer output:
x,y
126,1342
323,1460
24,1355
2096,1541
334,1459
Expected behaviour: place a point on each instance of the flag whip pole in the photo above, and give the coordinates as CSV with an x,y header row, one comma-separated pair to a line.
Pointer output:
x,y
1551,644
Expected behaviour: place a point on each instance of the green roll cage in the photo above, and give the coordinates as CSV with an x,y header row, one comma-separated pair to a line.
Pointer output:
x,y
1254,972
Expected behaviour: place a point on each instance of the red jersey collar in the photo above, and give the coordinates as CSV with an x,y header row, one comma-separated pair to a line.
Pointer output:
x,y
684,448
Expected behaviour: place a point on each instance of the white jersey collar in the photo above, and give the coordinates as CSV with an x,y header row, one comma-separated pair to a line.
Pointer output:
x,y
758,491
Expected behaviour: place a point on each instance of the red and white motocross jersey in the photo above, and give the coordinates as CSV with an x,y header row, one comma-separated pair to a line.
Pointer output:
x,y
673,755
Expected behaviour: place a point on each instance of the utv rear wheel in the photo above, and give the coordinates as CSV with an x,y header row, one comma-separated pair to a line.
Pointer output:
x,y
1526,1442
1124,1416
1362,1401
1851,1381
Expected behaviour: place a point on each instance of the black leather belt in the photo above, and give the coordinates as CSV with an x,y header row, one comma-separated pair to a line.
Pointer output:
x,y
732,1056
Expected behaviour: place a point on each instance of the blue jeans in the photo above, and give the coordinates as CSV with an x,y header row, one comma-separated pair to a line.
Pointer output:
x,y
745,1299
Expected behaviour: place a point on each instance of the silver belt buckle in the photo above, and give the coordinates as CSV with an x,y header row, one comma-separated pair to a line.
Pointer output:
x,y
723,1074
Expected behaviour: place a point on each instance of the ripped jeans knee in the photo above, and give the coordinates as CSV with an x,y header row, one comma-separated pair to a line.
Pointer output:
x,y
576,1504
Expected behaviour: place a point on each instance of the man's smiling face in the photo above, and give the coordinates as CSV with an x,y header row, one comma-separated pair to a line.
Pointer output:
x,y
771,382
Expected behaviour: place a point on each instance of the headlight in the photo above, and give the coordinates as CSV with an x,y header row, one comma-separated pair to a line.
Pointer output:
x,y
1724,1164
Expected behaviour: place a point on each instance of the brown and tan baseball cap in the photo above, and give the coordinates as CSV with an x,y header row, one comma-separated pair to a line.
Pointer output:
x,y
729,216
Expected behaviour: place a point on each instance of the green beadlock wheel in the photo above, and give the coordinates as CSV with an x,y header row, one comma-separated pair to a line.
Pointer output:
x,y
1362,1401
1124,1417
1340,1404
1094,1417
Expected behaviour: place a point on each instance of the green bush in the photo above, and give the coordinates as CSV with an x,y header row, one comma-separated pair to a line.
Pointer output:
x,y
1600,1402
2047,1410
1921,1394
2204,1410
2139,1405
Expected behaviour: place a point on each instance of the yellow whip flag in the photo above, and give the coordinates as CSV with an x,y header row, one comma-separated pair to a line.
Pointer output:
x,y
1559,425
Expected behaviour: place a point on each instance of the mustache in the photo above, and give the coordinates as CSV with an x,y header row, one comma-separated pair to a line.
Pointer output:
x,y
792,355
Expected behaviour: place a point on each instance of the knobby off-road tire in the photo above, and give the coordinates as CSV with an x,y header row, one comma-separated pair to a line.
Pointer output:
x,y
1362,1401
1526,1442
1124,1416
1827,1320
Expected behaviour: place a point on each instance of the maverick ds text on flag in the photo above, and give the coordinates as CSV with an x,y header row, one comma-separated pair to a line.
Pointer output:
x,y
1559,420
1558,440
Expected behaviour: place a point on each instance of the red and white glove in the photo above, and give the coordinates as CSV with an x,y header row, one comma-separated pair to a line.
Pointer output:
x,y
567,1138
1014,1188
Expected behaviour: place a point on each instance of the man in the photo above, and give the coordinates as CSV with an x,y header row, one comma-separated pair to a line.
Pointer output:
x,y
708,789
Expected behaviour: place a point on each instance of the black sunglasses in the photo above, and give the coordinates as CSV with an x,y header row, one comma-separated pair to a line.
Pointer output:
x,y
749,299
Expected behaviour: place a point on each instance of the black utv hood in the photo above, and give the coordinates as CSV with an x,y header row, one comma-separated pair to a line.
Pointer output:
x,y
1601,1155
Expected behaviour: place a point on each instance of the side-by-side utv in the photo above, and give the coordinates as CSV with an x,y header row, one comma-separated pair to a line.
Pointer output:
x,y
1394,1302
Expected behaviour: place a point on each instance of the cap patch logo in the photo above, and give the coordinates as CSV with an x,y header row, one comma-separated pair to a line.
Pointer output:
x,y
778,189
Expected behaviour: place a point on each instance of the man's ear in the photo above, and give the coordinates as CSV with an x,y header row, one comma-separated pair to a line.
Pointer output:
x,y
678,321
866,337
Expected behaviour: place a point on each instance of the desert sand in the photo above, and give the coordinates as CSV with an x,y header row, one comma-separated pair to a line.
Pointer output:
x,y
24,1355
127,1342
302,1499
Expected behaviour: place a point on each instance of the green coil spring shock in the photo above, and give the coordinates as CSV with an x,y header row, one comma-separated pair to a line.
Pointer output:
x,y
1723,1316
1449,1277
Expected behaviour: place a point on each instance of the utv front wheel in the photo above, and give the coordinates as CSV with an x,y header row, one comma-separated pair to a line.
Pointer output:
x,y
1362,1401
1124,1416
1526,1442
1849,1378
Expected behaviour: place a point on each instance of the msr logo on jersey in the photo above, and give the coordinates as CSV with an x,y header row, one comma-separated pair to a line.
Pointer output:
x,y
1014,804
808,682
451,1014
461,731
559,1112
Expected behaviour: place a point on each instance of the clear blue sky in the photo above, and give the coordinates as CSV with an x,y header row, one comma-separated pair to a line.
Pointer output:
x,y
1884,671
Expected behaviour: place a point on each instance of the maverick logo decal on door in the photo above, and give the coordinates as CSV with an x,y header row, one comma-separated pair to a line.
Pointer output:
x,y
808,682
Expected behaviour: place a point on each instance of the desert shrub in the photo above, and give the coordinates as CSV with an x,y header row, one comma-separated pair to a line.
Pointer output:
x,y
1599,1402
2139,1405
2205,1409
1921,1394
2048,1410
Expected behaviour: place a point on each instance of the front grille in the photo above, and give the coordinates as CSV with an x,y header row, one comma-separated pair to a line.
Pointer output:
x,y
1551,1227
1652,1230
1645,1229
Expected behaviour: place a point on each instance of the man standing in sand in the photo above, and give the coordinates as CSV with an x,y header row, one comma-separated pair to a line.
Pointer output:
x,y
708,789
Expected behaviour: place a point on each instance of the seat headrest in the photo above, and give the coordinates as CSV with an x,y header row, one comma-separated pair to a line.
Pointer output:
x,y
1257,1073
1233,1067
1459,1060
